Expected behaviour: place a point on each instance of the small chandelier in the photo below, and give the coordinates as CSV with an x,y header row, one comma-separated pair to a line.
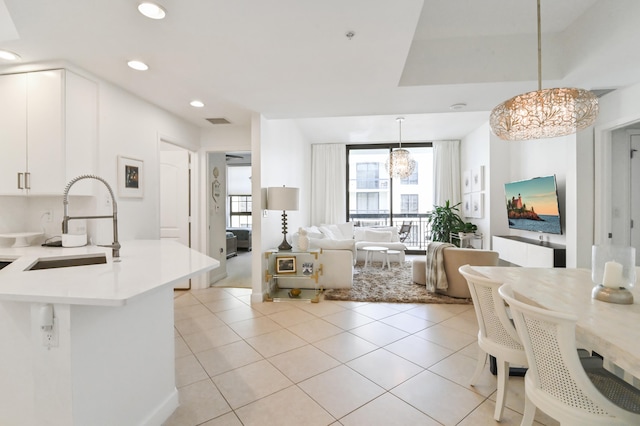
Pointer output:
x,y
400,164
544,113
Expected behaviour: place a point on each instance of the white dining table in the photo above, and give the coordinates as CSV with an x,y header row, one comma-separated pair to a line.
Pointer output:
x,y
612,330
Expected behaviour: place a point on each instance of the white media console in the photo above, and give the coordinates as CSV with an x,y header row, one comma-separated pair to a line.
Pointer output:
x,y
530,253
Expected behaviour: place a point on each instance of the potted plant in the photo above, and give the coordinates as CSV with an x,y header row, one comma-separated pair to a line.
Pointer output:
x,y
442,221
467,229
466,232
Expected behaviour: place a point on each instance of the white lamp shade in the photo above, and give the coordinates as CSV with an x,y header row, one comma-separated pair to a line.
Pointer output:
x,y
282,198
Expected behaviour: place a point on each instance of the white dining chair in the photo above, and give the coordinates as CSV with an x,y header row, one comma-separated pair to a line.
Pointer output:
x,y
557,382
496,335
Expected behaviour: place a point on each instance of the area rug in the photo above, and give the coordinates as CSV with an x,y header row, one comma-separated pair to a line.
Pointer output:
x,y
374,284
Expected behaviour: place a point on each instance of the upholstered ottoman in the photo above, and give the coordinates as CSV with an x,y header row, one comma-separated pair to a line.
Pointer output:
x,y
419,270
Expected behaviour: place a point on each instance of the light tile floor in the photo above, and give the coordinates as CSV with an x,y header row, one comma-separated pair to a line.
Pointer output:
x,y
330,363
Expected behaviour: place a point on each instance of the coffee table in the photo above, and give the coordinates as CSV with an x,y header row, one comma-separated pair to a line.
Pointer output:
x,y
393,253
370,250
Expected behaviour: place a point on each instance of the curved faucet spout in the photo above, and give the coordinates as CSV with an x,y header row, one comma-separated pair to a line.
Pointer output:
x,y
115,246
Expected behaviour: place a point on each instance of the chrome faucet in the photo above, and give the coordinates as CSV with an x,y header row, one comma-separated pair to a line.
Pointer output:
x,y
115,246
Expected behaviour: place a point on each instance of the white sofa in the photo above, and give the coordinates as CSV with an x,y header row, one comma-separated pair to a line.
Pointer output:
x,y
345,236
383,236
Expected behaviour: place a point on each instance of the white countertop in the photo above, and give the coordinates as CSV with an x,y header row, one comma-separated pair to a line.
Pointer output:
x,y
145,265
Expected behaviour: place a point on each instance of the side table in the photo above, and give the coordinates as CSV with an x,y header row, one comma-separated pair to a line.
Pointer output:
x,y
370,250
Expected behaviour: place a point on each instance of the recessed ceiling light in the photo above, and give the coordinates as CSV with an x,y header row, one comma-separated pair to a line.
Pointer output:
x,y
197,104
9,56
456,107
137,65
152,10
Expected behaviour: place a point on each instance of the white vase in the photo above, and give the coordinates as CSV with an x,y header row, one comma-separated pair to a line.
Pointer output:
x,y
303,240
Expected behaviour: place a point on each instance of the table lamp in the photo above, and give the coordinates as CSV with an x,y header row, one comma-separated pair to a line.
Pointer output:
x,y
283,198
613,271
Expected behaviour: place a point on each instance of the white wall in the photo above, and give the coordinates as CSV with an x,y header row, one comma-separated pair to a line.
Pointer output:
x,y
617,109
286,160
280,156
239,180
475,152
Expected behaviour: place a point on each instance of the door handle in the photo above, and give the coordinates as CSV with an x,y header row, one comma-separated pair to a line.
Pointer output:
x,y
27,180
20,186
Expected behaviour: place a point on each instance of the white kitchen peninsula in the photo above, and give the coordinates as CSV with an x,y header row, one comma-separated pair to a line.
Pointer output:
x,y
112,358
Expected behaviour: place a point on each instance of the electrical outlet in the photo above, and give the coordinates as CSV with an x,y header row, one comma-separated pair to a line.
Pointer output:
x,y
50,337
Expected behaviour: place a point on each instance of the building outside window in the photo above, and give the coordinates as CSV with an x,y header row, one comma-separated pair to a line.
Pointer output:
x,y
409,203
240,211
368,175
412,179
368,202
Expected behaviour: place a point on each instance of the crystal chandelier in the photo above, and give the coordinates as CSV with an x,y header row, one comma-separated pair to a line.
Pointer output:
x,y
400,164
544,113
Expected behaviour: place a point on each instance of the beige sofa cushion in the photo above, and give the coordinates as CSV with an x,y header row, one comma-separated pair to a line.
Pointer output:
x,y
454,258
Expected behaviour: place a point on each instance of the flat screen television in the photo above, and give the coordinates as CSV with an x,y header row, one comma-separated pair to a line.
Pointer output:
x,y
532,205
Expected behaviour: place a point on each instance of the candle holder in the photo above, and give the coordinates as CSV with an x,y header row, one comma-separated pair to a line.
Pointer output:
x,y
613,271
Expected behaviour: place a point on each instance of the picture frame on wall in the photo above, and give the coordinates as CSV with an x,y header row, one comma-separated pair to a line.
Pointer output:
x,y
477,207
130,177
466,181
286,265
477,179
466,205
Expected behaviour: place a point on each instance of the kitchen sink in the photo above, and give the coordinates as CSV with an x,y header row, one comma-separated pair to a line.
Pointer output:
x,y
65,262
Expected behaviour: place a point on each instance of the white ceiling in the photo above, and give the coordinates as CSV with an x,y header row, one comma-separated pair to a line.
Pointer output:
x,y
291,58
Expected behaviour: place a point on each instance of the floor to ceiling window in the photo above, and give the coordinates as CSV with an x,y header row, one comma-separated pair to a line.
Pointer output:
x,y
376,199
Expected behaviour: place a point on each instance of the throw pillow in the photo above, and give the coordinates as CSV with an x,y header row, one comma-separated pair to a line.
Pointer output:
x,y
331,231
394,232
346,229
359,233
314,232
377,236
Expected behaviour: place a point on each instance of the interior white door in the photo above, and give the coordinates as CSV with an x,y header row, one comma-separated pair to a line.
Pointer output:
x,y
635,195
175,199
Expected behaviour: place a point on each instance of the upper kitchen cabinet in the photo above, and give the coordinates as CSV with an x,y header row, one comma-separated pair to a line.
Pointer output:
x,y
48,132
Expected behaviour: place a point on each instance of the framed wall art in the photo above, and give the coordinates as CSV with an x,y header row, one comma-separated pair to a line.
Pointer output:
x,y
130,177
477,179
466,205
466,181
477,205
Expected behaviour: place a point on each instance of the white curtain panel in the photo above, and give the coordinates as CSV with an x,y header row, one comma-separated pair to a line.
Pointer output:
x,y
446,172
328,183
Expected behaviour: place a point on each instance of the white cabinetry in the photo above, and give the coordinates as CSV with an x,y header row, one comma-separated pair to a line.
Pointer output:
x,y
48,132
530,253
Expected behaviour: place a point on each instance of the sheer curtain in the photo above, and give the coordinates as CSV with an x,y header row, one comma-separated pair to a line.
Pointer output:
x,y
446,172
328,183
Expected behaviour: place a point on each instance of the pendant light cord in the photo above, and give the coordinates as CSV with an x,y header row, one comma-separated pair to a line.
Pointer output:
x,y
539,51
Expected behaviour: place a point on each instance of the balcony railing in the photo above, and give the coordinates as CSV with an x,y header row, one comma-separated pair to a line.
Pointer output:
x,y
417,238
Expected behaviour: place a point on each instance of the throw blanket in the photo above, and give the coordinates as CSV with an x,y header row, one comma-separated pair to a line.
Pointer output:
x,y
436,277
